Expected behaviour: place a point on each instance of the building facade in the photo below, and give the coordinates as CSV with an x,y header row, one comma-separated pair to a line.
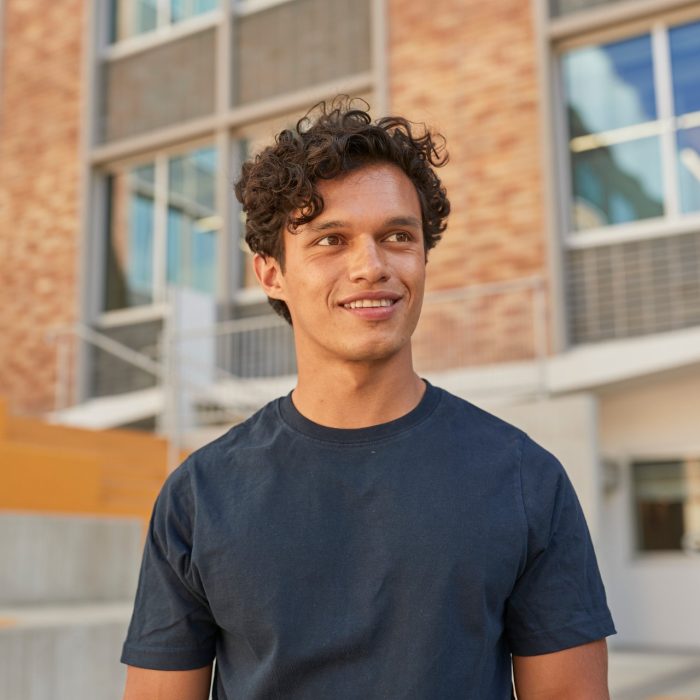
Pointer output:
x,y
564,296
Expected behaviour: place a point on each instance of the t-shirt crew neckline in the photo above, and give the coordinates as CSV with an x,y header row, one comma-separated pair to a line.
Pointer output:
x,y
295,420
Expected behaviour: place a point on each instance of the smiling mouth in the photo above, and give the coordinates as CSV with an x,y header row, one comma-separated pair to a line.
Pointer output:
x,y
369,303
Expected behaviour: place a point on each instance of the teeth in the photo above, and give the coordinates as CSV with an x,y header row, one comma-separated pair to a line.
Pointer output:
x,y
368,303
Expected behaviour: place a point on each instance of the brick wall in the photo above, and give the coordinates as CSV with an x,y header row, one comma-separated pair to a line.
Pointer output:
x,y
39,128
468,68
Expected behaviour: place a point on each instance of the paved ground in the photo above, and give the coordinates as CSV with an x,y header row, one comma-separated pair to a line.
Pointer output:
x,y
638,675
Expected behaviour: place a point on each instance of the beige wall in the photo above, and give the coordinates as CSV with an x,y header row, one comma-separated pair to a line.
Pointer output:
x,y
656,416
653,596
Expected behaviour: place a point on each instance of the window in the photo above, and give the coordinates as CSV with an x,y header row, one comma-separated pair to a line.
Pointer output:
x,y
685,58
633,116
192,222
133,17
162,229
667,505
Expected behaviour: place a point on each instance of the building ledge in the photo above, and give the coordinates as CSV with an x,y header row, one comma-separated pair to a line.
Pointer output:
x,y
596,365
111,411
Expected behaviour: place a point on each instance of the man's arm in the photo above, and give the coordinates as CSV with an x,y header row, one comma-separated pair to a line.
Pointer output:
x,y
579,673
146,684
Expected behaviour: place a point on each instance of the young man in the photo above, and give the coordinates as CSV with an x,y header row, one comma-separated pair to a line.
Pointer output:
x,y
369,535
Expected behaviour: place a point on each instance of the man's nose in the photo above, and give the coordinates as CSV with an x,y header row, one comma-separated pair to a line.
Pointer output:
x,y
368,261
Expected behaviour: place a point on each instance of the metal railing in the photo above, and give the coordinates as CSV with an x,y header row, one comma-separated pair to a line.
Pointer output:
x,y
222,372
64,338
485,324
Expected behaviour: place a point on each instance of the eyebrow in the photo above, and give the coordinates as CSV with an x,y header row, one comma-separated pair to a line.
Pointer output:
x,y
392,221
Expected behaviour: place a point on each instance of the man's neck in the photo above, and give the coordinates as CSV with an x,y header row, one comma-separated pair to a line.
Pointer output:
x,y
357,395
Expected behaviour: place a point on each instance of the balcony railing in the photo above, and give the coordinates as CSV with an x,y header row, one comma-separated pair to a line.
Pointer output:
x,y
220,374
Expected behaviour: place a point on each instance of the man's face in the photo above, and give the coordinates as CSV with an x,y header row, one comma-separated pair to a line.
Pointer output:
x,y
354,276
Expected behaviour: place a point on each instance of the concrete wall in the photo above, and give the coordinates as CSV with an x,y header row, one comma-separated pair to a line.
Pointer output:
x,y
654,597
652,415
66,589
77,660
67,558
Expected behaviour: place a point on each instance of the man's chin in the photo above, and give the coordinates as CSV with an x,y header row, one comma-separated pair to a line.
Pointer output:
x,y
377,352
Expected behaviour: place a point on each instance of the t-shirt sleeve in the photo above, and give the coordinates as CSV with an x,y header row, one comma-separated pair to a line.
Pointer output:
x,y
172,628
558,600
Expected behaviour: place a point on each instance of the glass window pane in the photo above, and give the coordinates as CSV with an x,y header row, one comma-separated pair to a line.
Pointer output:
x,y
184,9
660,495
688,145
609,87
129,275
192,221
617,184
685,59
133,17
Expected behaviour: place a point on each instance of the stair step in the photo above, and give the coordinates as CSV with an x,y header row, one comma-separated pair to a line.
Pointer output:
x,y
43,616
68,652
67,558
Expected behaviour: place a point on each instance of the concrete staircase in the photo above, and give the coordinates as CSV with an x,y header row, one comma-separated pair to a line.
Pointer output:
x,y
74,505
66,589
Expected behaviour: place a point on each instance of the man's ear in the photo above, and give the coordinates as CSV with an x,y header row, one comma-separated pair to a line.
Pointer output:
x,y
269,274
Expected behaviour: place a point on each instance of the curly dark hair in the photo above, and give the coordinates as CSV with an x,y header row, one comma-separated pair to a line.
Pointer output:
x,y
277,187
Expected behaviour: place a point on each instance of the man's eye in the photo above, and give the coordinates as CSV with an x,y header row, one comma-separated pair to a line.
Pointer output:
x,y
331,239
399,237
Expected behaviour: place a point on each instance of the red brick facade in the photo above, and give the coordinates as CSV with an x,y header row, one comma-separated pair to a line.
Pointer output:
x,y
40,93
466,67
469,69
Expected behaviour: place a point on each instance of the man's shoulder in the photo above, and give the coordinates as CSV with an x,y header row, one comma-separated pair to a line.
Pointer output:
x,y
489,430
255,431
475,419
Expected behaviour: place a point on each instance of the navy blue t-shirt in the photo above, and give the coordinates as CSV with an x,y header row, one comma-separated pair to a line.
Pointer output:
x,y
405,560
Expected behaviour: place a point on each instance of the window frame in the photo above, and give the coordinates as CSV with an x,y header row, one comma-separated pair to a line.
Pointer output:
x,y
633,525
160,160
165,32
666,126
249,7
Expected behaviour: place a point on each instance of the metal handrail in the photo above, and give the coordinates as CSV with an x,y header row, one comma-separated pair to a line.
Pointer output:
x,y
113,347
123,352
253,323
176,385
534,283
485,289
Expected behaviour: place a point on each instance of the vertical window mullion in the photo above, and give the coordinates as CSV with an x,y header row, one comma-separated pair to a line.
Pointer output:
x,y
223,208
164,14
563,155
664,103
160,229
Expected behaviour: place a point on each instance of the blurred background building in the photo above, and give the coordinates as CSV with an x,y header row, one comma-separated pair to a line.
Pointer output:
x,y
564,297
